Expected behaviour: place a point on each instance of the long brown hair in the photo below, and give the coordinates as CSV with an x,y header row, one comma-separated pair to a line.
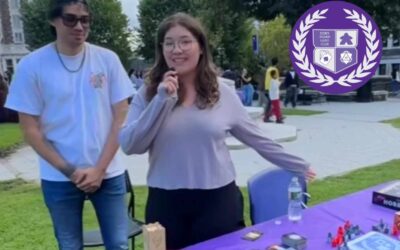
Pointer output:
x,y
206,83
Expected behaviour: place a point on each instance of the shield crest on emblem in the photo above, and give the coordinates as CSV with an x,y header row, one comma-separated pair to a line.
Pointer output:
x,y
335,50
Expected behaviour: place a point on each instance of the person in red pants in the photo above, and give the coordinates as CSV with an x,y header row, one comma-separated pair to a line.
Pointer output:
x,y
274,96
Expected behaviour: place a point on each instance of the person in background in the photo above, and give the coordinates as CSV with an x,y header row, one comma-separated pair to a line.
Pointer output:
x,y
9,74
3,90
132,75
230,74
274,97
71,98
248,89
140,80
395,83
182,117
267,86
291,85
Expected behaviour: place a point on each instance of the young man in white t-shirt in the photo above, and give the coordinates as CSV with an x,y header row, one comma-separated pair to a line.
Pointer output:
x,y
72,99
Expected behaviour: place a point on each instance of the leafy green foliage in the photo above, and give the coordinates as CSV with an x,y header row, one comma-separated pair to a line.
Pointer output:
x,y
109,27
223,21
250,60
269,9
151,13
36,26
275,36
384,12
273,39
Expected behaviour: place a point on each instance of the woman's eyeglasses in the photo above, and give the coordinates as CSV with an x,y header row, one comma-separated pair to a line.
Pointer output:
x,y
184,45
71,21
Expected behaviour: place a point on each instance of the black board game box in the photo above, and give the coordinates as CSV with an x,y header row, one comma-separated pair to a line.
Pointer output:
x,y
388,196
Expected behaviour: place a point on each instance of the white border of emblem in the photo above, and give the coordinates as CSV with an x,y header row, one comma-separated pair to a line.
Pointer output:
x,y
325,80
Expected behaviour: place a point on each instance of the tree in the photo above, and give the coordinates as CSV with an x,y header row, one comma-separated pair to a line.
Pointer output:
x,y
223,21
109,28
250,60
384,12
269,9
151,13
275,36
36,28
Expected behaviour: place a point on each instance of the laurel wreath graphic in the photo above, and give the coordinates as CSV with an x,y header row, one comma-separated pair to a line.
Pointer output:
x,y
325,80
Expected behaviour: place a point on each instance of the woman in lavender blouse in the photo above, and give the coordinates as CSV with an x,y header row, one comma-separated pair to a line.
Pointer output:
x,y
182,116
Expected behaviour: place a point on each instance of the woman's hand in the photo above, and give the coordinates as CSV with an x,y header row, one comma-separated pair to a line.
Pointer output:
x,y
169,83
310,175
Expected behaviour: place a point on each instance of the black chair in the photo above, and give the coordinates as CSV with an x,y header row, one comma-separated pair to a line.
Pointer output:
x,y
93,238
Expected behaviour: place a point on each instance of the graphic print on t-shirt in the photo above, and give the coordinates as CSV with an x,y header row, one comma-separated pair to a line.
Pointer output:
x,y
98,80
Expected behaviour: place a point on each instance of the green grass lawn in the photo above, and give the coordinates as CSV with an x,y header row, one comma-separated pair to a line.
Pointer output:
x,y
303,112
25,224
10,138
394,122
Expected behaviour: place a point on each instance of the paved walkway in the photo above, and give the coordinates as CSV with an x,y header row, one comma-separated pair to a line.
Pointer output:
x,y
348,137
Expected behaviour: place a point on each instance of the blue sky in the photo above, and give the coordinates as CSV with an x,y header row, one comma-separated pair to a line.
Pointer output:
x,y
129,7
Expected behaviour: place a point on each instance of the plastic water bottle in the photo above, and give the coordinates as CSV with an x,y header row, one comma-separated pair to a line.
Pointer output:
x,y
295,200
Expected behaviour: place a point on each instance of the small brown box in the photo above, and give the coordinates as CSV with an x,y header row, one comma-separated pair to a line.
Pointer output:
x,y
154,237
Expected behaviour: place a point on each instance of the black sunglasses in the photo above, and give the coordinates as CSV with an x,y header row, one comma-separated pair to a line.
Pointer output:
x,y
71,21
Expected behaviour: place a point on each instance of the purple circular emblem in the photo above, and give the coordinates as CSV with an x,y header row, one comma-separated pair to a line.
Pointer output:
x,y
335,47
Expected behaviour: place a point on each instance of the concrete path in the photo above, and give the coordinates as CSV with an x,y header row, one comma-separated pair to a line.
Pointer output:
x,y
349,136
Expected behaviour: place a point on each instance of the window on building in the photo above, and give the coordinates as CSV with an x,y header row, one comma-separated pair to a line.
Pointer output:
x,y
18,38
382,69
9,62
395,68
17,22
9,65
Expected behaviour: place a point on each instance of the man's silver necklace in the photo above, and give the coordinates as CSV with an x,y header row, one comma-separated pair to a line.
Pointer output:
x,y
63,64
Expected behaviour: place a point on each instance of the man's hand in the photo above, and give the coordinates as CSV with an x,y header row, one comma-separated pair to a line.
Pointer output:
x,y
78,176
88,179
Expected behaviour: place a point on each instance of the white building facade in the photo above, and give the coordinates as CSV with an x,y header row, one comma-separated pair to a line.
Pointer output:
x,y
390,61
12,40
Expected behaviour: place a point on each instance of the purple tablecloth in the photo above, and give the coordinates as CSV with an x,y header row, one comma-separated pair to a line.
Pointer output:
x,y
317,222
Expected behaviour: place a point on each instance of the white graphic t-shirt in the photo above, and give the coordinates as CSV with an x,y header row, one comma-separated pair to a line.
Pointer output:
x,y
75,109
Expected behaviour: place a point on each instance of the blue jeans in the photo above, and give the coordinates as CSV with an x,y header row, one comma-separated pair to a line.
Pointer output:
x,y
65,203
